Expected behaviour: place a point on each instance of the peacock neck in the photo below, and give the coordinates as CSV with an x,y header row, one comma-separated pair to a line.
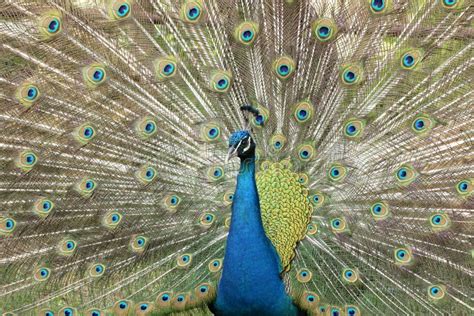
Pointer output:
x,y
250,282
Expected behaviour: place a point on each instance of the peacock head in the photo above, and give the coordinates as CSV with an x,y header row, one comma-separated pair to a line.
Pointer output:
x,y
242,145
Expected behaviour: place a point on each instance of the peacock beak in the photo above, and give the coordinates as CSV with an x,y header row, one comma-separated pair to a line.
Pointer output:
x,y
230,154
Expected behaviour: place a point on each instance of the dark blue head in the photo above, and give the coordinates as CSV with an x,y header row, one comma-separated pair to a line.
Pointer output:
x,y
242,145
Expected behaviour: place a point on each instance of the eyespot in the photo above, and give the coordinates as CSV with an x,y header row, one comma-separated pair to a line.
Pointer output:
x,y
423,124
205,292
309,300
94,312
27,94
180,300
84,133
451,4
338,225
464,187
96,270
42,274
324,29
122,307
228,197
406,174
335,311
284,67
403,256
436,292
67,311
7,225
112,219
352,310
379,210
184,260
246,32
192,11
171,202
278,141
215,265
304,275
50,24
215,173
410,59
351,74
303,178
312,229
163,299
146,174
337,172
206,220
94,75
46,312
353,128
146,127
317,199
67,247
165,67
138,243
303,112
220,81
306,152
380,6
143,308
261,119
26,160
120,9
350,275
210,132
86,187
439,222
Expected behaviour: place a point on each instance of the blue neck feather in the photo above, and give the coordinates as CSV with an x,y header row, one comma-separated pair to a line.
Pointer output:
x,y
251,282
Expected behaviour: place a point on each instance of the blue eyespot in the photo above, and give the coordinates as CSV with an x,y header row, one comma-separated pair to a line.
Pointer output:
x,y
222,83
408,60
144,307
44,272
48,313
68,312
324,31
213,133
377,208
165,297
88,132
402,174
450,3
32,93
351,311
46,206
278,145
203,289
150,173
284,70
140,241
70,245
302,114
9,224
336,223
30,159
53,26
349,76
335,172
304,273
419,124
349,274
150,127
434,290
401,254
215,263
377,5
304,154
260,119
98,75
123,305
310,298
185,258
316,198
247,36
90,185
123,10
115,218
335,312
99,268
463,186
180,298
351,129
194,13
168,69
217,173
95,313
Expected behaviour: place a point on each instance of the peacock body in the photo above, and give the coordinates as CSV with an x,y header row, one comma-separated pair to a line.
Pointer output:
x,y
353,122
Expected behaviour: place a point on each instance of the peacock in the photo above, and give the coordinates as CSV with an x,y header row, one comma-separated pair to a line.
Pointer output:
x,y
236,157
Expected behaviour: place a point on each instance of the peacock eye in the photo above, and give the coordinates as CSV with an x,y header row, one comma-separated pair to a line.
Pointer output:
x,y
184,260
68,312
165,297
353,128
143,307
94,75
220,81
284,67
193,13
95,313
54,25
377,5
48,313
123,305
324,29
123,10
449,3
32,93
